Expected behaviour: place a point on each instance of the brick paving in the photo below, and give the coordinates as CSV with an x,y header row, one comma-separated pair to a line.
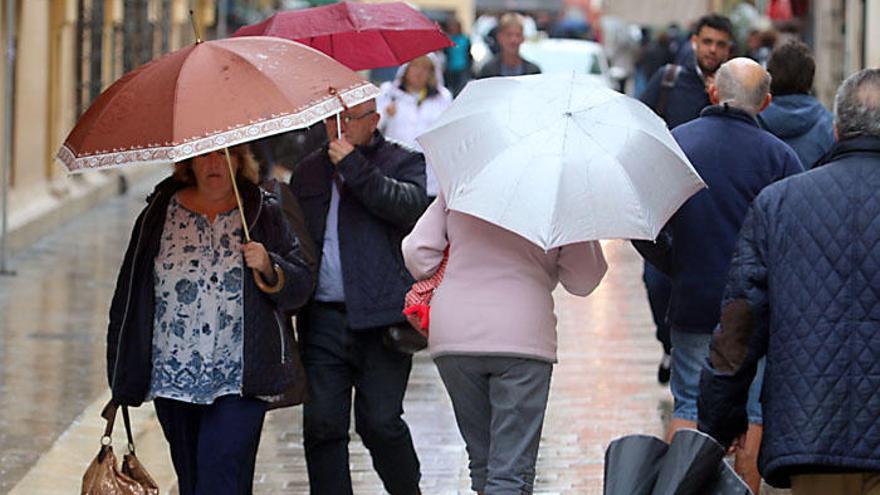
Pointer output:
x,y
53,322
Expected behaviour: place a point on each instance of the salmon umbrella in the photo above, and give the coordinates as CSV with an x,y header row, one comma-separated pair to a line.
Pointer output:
x,y
210,96
360,36
207,97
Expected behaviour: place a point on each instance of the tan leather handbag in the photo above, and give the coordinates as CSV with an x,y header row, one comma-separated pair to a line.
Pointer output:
x,y
103,477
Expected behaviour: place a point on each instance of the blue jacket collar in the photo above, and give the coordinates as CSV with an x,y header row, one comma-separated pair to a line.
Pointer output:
x,y
725,110
869,144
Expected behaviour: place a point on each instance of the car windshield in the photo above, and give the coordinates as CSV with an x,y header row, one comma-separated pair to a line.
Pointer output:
x,y
554,61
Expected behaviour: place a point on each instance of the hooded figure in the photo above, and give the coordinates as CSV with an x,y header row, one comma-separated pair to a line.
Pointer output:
x,y
795,116
411,104
803,123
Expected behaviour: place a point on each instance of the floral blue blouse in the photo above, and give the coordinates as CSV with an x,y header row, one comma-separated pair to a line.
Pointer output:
x,y
197,329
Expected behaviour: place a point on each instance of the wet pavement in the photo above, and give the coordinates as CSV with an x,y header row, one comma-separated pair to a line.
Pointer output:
x,y
53,319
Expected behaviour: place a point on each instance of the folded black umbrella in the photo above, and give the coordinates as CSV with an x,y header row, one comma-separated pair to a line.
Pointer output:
x,y
632,464
693,464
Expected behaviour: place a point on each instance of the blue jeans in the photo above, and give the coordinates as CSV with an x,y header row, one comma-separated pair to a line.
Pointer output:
x,y
213,447
689,354
338,360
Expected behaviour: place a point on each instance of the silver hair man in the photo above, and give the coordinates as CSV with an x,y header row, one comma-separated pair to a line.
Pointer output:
x,y
741,83
857,105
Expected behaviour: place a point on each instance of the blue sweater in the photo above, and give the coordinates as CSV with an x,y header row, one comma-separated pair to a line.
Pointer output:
x,y
736,159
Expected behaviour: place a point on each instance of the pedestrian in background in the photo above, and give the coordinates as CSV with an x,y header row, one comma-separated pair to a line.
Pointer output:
x,y
655,54
794,115
508,62
410,105
190,329
802,291
736,159
360,195
458,58
678,93
493,334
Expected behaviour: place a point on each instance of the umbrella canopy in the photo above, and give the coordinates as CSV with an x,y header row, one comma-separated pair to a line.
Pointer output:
x,y
360,36
210,96
558,159
693,464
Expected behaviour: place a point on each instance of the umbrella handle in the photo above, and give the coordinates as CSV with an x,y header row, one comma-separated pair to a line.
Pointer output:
x,y
258,277
338,96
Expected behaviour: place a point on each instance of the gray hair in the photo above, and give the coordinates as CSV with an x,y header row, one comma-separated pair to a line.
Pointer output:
x,y
738,92
857,105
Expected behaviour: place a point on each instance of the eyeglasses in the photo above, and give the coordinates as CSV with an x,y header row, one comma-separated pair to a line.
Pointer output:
x,y
347,119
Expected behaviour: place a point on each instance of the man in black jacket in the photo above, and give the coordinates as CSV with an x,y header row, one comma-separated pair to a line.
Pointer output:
x,y
360,196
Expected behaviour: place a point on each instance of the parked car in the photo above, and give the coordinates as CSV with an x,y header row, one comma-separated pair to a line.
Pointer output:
x,y
555,55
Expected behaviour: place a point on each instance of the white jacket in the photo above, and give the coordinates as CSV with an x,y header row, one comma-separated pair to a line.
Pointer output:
x,y
411,118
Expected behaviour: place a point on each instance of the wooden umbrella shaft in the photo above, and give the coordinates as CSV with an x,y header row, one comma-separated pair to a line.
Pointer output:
x,y
244,225
258,277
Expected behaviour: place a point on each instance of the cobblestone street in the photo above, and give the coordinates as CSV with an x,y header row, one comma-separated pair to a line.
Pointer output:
x,y
52,378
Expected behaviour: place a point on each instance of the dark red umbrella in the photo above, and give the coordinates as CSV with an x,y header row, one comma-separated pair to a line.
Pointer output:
x,y
360,36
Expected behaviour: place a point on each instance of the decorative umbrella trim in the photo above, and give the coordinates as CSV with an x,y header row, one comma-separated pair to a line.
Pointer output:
x,y
201,145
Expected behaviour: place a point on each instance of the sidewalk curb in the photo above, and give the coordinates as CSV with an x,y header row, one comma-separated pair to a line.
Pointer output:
x,y
60,470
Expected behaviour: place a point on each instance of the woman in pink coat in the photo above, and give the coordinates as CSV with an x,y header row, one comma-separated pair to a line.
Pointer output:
x,y
493,334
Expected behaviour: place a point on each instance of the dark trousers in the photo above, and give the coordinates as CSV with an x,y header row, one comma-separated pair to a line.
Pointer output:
x,y
659,291
213,447
336,360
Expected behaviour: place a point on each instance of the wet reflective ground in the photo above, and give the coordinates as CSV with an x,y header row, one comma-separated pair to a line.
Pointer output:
x,y
53,317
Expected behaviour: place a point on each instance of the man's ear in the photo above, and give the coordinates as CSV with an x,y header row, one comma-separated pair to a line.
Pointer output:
x,y
713,94
374,120
766,103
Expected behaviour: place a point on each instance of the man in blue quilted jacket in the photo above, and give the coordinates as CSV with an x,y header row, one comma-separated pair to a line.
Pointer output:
x,y
736,159
804,291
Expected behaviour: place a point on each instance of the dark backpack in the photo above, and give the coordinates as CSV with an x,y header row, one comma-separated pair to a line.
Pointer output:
x,y
670,77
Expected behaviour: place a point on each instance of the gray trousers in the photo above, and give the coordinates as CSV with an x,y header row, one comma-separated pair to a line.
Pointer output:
x,y
499,405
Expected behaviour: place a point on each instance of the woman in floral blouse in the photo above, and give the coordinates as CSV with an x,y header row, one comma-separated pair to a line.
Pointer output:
x,y
197,320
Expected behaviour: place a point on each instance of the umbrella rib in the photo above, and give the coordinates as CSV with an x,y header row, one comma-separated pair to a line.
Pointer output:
x,y
397,57
568,118
248,62
174,101
141,73
608,152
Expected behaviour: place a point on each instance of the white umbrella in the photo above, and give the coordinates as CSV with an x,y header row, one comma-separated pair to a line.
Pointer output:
x,y
558,159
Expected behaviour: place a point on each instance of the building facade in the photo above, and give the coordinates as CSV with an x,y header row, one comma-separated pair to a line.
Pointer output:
x,y
66,53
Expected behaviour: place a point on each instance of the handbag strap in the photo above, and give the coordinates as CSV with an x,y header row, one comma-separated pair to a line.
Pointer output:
x,y
127,422
109,414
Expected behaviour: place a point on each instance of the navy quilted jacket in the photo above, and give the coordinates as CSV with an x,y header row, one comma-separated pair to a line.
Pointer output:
x,y
804,290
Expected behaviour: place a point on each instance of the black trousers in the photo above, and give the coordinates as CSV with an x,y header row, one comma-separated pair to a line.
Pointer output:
x,y
659,292
337,360
213,447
